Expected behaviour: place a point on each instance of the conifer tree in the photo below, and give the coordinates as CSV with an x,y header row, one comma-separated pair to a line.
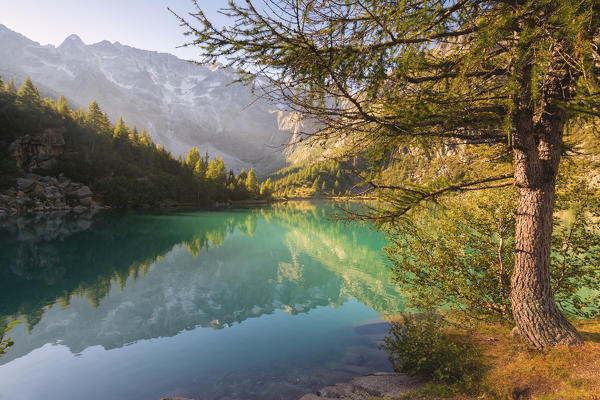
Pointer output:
x,y
252,183
134,136
62,106
28,93
192,157
200,169
266,189
145,139
216,171
12,87
96,120
121,131
316,183
509,75
241,178
80,116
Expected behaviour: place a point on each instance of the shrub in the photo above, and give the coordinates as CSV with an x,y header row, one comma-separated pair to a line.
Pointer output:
x,y
424,346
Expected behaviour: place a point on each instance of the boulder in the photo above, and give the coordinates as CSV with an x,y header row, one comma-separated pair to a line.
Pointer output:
x,y
52,192
24,184
377,384
83,192
64,183
33,177
38,191
44,194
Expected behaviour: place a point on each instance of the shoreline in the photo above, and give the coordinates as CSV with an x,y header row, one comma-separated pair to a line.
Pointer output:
x,y
97,208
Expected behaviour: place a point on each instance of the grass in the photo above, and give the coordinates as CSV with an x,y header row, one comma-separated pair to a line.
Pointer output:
x,y
514,371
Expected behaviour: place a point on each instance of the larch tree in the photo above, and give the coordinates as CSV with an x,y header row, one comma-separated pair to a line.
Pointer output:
x,y
507,76
199,169
121,131
192,157
96,120
28,94
11,86
252,183
62,106
134,136
145,138
216,171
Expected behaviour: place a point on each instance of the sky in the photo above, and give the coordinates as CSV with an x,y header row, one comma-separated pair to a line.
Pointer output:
x,y
145,24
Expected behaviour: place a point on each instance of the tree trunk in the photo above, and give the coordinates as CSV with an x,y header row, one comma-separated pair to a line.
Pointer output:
x,y
536,314
537,148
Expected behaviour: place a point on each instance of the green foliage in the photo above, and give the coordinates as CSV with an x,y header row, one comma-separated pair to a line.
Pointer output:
x,y
6,342
325,177
216,171
62,107
97,121
266,189
124,167
121,131
461,254
28,94
193,157
199,169
11,86
252,184
423,346
386,78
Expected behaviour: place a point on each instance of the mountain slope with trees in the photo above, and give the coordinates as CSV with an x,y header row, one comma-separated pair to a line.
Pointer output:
x,y
180,104
122,165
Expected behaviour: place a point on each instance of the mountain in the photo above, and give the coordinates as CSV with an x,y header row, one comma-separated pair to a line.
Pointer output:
x,y
180,103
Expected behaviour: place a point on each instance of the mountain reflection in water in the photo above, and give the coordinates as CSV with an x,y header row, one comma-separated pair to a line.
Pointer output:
x,y
228,304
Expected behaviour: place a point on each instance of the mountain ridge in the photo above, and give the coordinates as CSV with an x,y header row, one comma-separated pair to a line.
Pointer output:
x,y
181,104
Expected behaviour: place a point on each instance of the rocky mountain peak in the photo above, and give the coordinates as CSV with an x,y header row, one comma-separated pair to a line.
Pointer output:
x,y
179,103
74,39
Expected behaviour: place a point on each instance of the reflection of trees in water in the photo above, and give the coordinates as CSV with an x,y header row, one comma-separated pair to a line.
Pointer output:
x,y
45,261
123,246
351,251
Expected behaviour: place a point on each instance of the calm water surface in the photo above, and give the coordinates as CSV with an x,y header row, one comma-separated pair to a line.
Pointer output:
x,y
266,303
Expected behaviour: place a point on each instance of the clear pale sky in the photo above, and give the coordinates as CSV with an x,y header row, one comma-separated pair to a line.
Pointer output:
x,y
145,24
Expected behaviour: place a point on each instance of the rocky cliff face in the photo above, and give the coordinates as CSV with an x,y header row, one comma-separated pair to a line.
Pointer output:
x,y
39,151
180,103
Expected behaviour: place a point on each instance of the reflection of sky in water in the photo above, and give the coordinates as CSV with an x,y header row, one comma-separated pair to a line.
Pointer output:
x,y
241,304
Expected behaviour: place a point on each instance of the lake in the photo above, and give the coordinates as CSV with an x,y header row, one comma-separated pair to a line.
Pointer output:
x,y
260,303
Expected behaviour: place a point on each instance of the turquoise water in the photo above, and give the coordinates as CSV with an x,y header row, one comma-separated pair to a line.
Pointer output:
x,y
265,303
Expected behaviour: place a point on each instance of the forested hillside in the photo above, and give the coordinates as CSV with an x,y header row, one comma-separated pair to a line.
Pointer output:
x,y
121,164
320,179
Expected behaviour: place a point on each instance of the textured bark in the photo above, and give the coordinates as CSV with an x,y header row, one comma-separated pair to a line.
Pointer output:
x,y
537,148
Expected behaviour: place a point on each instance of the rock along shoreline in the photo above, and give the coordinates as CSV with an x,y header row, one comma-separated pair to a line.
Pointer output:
x,y
35,194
